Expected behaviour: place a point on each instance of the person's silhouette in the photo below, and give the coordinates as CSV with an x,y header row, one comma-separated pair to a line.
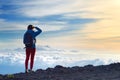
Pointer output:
x,y
29,40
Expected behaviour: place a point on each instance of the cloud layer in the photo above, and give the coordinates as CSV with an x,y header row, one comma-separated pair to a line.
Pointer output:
x,y
47,56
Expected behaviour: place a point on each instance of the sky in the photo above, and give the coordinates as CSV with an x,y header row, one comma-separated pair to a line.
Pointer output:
x,y
75,32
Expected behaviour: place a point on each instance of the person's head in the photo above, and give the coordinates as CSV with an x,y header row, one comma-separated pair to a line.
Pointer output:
x,y
30,27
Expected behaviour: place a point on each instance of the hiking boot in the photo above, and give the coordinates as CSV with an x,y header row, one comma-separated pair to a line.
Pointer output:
x,y
26,71
31,71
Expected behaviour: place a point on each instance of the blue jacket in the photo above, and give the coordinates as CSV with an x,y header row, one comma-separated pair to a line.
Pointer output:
x,y
34,34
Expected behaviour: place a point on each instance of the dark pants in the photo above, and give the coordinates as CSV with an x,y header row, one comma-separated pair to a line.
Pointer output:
x,y
30,53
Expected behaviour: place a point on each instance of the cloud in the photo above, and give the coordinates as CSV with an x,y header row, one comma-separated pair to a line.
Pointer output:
x,y
47,56
6,25
104,33
7,57
40,8
18,26
2,20
94,62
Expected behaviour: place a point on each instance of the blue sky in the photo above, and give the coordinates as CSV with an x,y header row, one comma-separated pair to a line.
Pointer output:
x,y
74,28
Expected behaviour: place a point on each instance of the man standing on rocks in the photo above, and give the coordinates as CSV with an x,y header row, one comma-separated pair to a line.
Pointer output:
x,y
29,40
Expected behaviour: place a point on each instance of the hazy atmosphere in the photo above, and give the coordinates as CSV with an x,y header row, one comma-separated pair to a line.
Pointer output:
x,y
75,32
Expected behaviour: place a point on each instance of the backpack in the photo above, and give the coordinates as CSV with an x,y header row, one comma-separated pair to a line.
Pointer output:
x,y
28,40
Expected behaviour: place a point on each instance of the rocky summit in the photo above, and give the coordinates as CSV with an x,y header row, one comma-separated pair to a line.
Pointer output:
x,y
89,72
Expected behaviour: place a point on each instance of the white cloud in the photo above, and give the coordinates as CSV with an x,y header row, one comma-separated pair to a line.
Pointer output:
x,y
39,8
2,20
91,8
50,57
48,26
10,25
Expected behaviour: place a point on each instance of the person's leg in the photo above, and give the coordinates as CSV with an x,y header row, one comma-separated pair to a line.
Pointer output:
x,y
27,58
33,50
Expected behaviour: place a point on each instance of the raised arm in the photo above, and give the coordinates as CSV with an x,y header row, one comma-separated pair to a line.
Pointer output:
x,y
37,32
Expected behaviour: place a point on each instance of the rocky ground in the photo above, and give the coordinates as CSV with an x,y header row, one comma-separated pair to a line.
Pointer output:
x,y
89,72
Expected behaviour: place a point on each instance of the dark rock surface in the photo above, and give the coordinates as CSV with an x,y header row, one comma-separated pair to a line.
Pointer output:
x,y
89,72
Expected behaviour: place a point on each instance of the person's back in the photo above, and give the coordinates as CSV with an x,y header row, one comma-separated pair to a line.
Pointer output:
x,y
30,40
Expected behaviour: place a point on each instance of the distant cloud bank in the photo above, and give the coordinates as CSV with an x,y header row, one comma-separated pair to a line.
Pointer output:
x,y
47,56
